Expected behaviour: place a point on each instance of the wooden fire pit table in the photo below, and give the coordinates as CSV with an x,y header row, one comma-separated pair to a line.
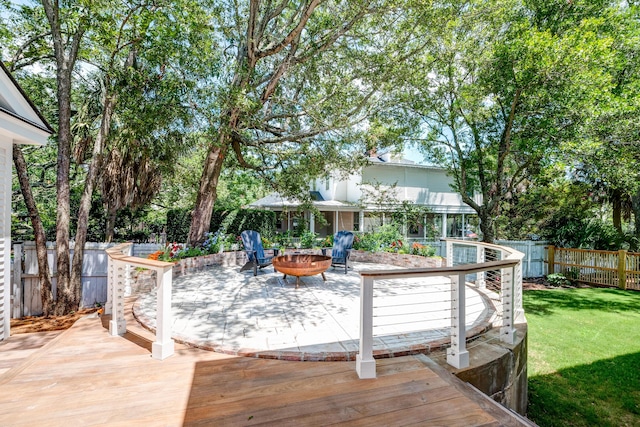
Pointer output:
x,y
301,265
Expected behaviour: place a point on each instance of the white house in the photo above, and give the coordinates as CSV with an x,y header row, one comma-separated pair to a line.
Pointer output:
x,y
363,200
20,123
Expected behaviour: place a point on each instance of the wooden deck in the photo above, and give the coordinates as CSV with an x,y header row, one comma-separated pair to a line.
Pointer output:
x,y
86,377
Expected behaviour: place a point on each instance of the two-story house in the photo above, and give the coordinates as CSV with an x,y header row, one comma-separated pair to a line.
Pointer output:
x,y
365,199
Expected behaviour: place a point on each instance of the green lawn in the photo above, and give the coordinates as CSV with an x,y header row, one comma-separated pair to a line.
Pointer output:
x,y
584,357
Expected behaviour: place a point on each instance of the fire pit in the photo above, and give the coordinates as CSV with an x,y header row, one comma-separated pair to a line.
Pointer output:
x,y
301,265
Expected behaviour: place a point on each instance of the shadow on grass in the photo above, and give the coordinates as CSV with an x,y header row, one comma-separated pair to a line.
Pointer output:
x,y
546,302
603,393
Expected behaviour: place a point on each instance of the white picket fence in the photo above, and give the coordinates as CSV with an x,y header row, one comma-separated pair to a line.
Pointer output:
x,y
25,286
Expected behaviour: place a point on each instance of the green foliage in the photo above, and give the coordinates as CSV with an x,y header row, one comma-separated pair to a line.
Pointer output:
x,y
178,221
585,233
308,239
385,238
558,279
231,222
422,250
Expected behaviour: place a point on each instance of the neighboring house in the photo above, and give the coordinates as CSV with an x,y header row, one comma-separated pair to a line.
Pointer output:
x,y
362,201
20,123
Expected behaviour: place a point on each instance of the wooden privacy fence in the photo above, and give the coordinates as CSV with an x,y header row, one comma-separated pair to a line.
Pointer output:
x,y
603,268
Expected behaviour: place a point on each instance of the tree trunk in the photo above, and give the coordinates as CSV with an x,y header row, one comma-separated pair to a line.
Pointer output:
x,y
207,192
487,226
66,50
617,210
635,204
111,223
85,201
44,274
65,298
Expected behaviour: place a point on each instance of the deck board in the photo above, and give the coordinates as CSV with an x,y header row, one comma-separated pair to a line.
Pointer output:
x,y
87,377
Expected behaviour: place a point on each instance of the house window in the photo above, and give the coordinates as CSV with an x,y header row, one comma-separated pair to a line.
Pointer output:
x,y
278,220
356,221
326,184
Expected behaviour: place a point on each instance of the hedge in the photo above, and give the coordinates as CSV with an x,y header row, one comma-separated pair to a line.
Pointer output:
x,y
231,222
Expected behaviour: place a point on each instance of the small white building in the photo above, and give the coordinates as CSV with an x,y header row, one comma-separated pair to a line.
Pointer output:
x,y
20,123
365,199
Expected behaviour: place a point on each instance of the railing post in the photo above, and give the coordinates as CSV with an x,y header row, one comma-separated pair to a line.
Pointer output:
x,y
18,289
622,269
365,363
118,324
551,259
163,347
480,276
507,331
457,355
111,277
449,253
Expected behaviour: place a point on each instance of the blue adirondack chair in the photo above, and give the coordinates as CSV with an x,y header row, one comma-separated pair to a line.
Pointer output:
x,y
341,251
255,253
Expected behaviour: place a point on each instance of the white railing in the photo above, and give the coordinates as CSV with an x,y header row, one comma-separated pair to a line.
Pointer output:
x,y
503,270
119,265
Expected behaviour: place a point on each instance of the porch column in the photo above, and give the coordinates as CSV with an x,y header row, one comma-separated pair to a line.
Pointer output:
x,y
312,222
335,222
444,225
361,214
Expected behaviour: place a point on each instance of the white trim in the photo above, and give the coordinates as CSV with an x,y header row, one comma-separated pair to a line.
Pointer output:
x,y
5,237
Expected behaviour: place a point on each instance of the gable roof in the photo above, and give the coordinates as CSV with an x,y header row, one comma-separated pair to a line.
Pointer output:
x,y
19,117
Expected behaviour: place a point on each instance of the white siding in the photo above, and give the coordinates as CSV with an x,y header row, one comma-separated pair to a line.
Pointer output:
x,y
5,236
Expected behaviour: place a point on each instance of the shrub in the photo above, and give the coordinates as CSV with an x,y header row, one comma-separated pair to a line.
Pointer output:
x,y
558,279
223,221
422,250
308,239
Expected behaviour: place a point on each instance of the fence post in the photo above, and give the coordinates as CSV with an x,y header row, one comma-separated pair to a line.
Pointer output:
x,y
622,269
457,354
365,363
551,259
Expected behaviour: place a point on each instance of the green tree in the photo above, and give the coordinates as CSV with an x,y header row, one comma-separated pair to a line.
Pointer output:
x,y
498,90
297,78
118,45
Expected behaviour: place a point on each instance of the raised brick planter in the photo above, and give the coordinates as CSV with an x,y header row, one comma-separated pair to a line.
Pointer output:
x,y
145,280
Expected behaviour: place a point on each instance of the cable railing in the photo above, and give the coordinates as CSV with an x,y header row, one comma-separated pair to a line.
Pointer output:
x,y
119,269
436,300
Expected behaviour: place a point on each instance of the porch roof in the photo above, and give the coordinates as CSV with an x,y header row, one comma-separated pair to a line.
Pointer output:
x,y
276,201
19,117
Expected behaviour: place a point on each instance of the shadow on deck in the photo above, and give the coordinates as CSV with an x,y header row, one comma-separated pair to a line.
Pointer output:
x,y
84,376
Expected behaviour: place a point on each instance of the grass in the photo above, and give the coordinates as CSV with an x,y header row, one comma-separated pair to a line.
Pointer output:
x,y
583,357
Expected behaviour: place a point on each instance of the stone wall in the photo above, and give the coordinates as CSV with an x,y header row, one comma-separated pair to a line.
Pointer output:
x,y
145,280
497,369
